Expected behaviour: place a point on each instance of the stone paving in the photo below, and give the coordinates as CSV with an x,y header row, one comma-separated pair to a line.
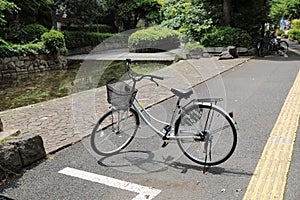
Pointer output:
x,y
64,121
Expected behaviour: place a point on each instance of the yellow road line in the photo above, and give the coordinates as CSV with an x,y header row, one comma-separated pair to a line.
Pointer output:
x,y
270,176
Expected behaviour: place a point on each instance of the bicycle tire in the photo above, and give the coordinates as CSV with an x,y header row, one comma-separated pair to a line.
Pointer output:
x,y
283,46
114,131
220,137
262,50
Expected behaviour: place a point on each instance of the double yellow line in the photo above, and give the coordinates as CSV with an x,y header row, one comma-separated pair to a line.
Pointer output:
x,y
270,176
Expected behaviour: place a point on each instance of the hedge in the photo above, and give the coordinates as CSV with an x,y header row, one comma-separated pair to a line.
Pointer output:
x,y
154,38
51,42
77,39
22,50
227,36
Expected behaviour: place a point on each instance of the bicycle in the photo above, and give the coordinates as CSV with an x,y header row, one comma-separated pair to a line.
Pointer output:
x,y
265,47
205,133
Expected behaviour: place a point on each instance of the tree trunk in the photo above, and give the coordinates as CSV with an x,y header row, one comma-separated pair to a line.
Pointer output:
x,y
227,12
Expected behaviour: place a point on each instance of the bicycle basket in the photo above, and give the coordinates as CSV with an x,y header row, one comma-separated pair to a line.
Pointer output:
x,y
119,94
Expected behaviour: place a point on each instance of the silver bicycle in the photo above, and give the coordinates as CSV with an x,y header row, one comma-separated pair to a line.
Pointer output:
x,y
205,133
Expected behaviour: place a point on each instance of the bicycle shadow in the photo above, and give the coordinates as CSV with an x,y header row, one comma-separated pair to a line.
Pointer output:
x,y
138,161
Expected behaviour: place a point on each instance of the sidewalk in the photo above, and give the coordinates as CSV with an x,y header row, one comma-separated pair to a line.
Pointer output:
x,y
64,121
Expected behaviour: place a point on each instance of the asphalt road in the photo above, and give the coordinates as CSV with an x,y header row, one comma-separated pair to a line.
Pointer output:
x,y
255,91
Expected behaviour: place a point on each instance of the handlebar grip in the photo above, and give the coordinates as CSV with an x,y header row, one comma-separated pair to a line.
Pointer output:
x,y
157,77
128,62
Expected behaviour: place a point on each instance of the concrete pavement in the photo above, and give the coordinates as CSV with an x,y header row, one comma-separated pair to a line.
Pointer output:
x,y
64,121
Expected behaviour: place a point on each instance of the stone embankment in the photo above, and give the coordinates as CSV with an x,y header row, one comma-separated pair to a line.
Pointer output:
x,y
16,66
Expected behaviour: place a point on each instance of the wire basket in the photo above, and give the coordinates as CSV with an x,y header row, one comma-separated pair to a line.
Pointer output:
x,y
119,94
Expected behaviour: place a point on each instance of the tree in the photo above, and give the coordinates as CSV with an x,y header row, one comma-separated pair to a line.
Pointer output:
x,y
9,7
189,17
289,9
79,11
33,11
126,14
227,11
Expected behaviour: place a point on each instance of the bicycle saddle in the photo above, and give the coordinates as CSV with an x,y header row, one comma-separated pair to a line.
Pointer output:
x,y
182,93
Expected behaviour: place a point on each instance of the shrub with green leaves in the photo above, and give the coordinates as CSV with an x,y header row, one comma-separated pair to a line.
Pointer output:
x,y
227,36
294,34
154,38
54,41
32,32
77,39
9,50
296,24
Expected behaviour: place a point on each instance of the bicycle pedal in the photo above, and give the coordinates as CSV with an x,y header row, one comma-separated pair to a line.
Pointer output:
x,y
164,144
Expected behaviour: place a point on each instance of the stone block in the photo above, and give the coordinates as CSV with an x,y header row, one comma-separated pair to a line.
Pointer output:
x,y
31,148
9,159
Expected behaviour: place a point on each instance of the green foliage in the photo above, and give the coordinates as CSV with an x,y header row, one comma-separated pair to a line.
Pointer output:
x,y
33,11
188,16
249,15
54,41
279,32
296,23
226,36
79,11
6,6
127,13
7,50
155,38
294,34
193,46
3,42
101,28
289,9
31,32
77,39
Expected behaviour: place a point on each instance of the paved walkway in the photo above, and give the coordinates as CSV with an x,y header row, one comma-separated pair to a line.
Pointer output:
x,y
67,120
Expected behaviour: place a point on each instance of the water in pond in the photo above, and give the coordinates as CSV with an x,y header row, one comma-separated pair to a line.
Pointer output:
x,y
49,85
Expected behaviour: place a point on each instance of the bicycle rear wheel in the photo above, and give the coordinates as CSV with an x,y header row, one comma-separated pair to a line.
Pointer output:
x,y
114,131
283,46
206,134
262,50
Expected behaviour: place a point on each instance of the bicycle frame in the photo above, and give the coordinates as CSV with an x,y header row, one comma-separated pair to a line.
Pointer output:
x,y
139,108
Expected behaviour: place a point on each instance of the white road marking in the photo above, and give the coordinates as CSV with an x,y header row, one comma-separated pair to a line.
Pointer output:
x,y
144,193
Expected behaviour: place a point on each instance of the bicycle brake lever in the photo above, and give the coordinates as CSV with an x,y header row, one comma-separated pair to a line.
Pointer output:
x,y
152,79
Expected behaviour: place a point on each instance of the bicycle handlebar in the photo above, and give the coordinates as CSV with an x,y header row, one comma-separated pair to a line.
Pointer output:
x,y
135,79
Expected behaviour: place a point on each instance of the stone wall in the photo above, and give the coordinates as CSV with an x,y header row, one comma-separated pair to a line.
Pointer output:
x,y
13,67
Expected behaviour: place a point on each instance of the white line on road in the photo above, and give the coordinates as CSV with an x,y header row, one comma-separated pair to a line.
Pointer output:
x,y
144,193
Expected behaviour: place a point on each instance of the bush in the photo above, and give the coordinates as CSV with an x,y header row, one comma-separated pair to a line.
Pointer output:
x,y
32,32
296,24
154,38
54,41
22,50
77,39
227,36
294,34
193,46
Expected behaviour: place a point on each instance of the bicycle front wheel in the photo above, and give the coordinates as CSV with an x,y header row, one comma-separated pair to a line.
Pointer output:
x,y
283,46
206,134
114,131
